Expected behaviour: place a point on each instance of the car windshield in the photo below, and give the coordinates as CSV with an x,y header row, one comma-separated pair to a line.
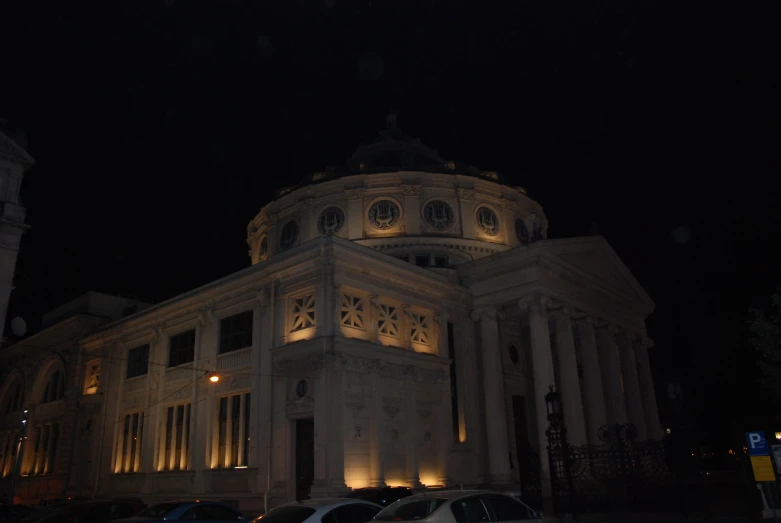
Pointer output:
x,y
159,510
291,514
410,510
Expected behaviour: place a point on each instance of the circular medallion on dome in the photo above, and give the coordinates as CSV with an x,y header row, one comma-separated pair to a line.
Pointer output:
x,y
330,221
521,232
384,214
263,248
439,214
289,235
487,221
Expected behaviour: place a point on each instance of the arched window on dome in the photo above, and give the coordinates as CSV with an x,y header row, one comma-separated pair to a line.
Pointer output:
x,y
14,397
54,387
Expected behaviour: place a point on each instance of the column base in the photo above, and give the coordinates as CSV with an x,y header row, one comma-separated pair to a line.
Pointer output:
x,y
414,483
325,489
378,483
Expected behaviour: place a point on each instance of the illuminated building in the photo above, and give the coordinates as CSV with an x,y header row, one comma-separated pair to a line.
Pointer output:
x,y
400,323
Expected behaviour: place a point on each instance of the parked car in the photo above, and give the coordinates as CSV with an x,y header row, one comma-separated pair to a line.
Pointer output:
x,y
85,512
323,510
204,511
459,506
383,496
13,513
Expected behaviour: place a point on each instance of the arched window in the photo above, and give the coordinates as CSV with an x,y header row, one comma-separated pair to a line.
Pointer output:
x,y
54,387
14,398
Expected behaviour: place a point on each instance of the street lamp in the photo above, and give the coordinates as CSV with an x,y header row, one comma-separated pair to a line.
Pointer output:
x,y
553,403
213,377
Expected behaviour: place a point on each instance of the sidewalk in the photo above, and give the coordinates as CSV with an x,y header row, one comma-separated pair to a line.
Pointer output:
x,y
651,517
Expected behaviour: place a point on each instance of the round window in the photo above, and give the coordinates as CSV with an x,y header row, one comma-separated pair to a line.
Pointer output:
x,y
330,221
514,357
438,214
521,232
384,214
487,221
302,388
263,248
289,235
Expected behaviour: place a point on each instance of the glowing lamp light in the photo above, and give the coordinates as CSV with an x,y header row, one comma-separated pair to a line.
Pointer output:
x,y
778,435
214,378
240,467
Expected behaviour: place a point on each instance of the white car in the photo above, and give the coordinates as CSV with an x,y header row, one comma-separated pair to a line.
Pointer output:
x,y
323,510
459,506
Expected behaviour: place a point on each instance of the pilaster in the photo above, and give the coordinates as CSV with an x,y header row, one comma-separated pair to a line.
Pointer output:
x,y
412,209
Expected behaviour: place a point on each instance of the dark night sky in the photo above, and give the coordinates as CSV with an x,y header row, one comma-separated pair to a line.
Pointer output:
x,y
161,128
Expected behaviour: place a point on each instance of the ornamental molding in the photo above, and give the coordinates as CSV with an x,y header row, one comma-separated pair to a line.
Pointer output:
x,y
355,194
537,301
411,190
391,406
354,402
306,204
424,408
507,204
487,313
466,194
365,366
510,269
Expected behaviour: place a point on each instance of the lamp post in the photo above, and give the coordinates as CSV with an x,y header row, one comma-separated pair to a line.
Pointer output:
x,y
17,470
558,452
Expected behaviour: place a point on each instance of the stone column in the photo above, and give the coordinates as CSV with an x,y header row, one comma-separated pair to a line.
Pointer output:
x,y
376,462
335,444
571,400
542,364
611,374
354,213
260,405
493,394
444,435
634,402
412,209
466,209
411,438
593,395
647,390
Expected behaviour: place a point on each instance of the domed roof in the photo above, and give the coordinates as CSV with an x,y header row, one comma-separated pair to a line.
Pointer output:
x,y
393,151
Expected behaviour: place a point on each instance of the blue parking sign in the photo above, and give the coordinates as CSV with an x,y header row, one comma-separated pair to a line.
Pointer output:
x,y
757,444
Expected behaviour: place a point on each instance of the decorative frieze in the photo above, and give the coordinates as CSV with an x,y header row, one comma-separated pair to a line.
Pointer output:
x,y
391,407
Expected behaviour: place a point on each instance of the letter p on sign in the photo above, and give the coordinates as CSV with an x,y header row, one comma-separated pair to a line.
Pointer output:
x,y
757,444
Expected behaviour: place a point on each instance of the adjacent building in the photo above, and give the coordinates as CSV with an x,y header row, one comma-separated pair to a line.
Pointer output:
x,y
401,321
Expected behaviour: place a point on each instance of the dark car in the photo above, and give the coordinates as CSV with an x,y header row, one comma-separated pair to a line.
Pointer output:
x,y
14,512
86,512
383,496
203,511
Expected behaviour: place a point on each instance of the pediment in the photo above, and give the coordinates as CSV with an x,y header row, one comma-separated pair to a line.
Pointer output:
x,y
12,150
595,257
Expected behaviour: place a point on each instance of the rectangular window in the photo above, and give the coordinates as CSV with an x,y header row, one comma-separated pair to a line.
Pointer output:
x,y
454,405
138,361
130,443
388,320
181,348
177,438
352,313
236,332
420,328
422,260
233,431
440,262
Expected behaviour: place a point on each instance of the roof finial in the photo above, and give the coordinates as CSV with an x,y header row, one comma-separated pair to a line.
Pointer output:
x,y
391,120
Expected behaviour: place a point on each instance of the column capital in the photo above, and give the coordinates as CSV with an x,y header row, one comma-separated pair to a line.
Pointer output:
x,y
608,327
581,319
535,300
488,312
643,342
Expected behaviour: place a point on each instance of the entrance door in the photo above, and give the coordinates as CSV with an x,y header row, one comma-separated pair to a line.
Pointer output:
x,y
305,457
528,460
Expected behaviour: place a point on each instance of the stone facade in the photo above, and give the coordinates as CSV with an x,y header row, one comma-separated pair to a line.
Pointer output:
x,y
397,326
14,162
